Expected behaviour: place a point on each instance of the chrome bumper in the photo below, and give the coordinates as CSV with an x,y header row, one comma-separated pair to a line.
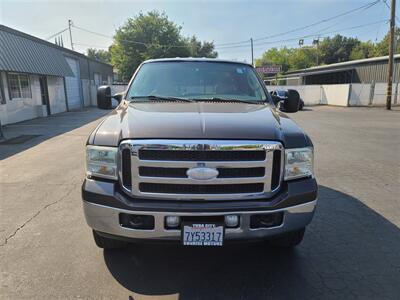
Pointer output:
x,y
106,219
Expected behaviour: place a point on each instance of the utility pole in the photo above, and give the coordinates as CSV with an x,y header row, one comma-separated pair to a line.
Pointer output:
x,y
252,53
70,33
391,50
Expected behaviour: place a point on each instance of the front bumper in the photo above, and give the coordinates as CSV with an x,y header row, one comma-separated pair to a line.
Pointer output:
x,y
106,219
103,202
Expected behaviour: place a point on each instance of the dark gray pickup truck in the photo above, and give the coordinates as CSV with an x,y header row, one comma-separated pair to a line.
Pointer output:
x,y
196,152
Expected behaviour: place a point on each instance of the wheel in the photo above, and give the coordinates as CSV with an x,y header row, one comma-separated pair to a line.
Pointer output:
x,y
288,240
107,243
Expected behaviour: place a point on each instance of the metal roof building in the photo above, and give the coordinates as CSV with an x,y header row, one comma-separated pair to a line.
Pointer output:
x,y
20,54
369,70
39,78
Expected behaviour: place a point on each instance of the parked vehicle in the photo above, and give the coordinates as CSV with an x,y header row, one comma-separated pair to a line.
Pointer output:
x,y
281,95
196,152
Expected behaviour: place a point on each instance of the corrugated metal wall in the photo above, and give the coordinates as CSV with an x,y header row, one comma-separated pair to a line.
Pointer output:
x,y
361,72
86,64
375,71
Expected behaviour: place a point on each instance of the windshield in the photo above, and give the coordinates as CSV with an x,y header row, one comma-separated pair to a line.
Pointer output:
x,y
197,80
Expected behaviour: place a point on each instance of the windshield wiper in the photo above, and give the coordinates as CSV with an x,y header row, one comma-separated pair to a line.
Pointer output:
x,y
160,98
229,100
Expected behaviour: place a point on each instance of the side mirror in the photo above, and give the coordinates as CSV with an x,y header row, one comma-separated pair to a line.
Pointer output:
x,y
275,99
118,97
292,102
104,97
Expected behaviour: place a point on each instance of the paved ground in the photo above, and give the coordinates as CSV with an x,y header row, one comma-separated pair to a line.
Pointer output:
x,y
351,250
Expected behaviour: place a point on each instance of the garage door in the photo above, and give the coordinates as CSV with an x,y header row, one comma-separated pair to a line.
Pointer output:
x,y
73,86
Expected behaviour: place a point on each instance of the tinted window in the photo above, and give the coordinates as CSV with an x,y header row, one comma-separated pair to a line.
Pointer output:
x,y
196,80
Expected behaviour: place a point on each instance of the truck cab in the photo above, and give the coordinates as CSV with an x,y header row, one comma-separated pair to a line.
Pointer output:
x,y
197,152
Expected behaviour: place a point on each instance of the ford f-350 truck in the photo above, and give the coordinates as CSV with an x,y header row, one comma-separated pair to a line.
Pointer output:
x,y
197,152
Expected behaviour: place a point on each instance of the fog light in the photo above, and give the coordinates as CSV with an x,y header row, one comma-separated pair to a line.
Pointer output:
x,y
142,222
266,220
172,221
232,220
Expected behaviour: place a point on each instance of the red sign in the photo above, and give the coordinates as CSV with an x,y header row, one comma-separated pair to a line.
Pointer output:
x,y
270,69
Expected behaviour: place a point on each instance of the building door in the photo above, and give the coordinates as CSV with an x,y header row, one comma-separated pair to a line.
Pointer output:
x,y
44,93
73,86
97,80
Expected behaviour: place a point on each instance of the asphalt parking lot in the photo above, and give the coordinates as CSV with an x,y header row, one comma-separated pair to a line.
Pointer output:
x,y
350,251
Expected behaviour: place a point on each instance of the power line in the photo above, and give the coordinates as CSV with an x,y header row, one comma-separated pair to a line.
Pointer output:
x,y
129,41
90,45
53,35
363,7
388,6
319,33
107,36
305,36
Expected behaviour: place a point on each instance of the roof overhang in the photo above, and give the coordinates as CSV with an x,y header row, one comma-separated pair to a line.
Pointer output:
x,y
318,72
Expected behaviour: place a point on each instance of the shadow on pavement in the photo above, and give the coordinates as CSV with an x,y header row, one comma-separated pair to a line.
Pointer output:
x,y
45,128
349,251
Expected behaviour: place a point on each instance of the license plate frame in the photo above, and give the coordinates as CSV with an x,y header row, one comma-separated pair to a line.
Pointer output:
x,y
197,240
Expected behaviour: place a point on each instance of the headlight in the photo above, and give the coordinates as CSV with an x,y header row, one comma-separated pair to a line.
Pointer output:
x,y
299,162
101,162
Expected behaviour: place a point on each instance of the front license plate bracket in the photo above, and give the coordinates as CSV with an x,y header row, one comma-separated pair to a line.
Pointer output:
x,y
203,234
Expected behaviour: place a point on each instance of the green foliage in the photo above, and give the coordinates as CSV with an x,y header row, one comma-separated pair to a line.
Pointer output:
x,y
330,50
200,49
337,49
276,56
100,55
363,50
304,57
149,36
382,48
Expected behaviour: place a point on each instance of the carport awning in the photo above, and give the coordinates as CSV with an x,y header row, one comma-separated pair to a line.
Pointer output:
x,y
26,55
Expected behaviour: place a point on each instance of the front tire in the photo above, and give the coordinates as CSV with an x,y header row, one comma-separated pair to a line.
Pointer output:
x,y
107,243
288,240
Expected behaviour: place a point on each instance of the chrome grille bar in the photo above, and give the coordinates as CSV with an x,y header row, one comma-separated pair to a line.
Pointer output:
x,y
136,146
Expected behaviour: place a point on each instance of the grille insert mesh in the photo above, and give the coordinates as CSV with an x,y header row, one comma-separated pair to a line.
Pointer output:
x,y
201,189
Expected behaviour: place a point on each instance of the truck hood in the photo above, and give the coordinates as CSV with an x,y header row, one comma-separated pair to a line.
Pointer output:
x,y
197,120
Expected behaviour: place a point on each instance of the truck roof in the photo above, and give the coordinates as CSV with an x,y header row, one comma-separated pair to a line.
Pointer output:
x,y
200,59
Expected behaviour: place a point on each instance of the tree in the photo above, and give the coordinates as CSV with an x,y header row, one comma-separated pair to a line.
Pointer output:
x,y
276,56
363,50
199,49
330,50
337,49
382,48
152,35
289,58
98,54
302,58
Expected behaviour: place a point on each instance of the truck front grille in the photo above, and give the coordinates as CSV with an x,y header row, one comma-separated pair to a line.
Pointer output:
x,y
181,172
158,169
206,189
194,155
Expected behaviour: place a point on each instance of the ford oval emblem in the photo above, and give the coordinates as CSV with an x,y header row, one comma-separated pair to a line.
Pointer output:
x,y
202,173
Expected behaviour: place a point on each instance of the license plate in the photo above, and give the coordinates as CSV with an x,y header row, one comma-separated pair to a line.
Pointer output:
x,y
202,234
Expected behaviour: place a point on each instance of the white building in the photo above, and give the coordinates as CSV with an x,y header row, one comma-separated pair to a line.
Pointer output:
x,y
38,78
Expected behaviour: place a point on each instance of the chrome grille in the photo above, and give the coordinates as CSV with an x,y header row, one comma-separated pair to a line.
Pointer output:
x,y
157,169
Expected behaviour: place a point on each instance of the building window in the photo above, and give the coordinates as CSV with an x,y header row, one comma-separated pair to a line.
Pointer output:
x,y
19,86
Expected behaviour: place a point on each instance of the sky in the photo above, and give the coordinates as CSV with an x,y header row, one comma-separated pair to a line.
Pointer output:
x,y
218,21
